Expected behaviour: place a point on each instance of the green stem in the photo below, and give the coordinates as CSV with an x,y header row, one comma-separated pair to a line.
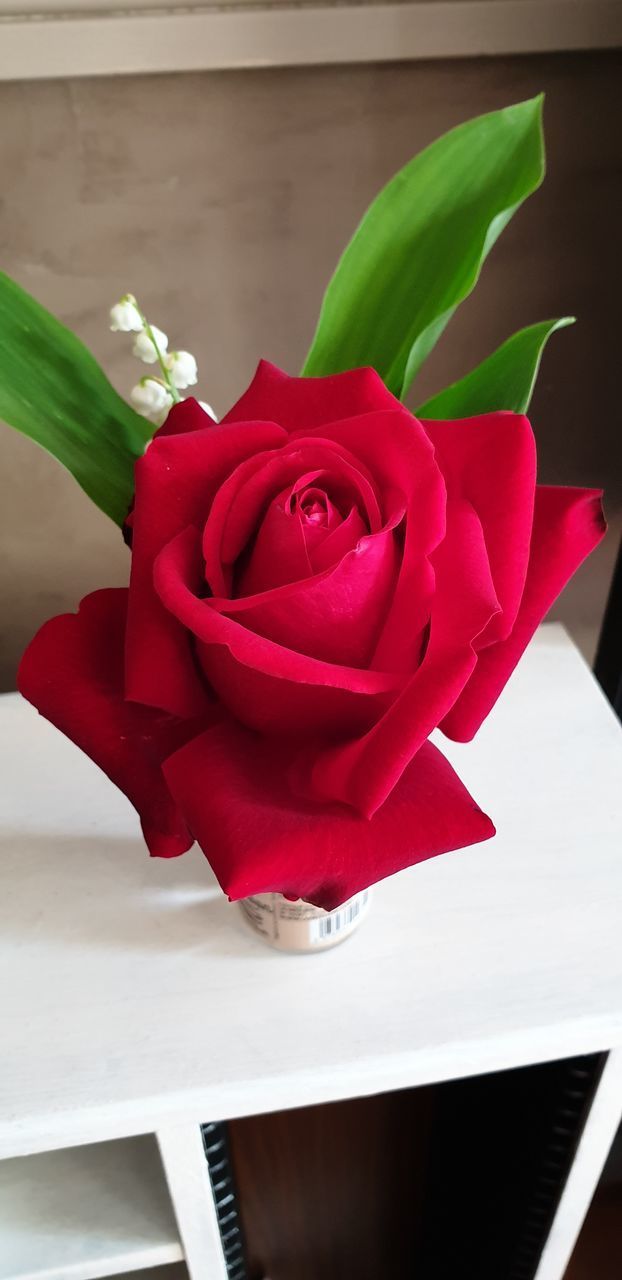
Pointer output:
x,y
163,369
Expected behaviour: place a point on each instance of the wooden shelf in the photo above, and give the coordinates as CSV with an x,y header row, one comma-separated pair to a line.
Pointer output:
x,y
176,1271
86,1212
598,1254
134,999
135,996
117,37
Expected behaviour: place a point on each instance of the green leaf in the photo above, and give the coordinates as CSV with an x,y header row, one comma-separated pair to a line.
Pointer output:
x,y
505,380
53,390
419,250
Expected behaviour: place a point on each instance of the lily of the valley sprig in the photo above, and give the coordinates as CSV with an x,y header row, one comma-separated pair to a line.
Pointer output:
x,y
153,396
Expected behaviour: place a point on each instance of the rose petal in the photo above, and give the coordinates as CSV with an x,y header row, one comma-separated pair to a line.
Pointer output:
x,y
313,504
363,771
301,404
395,449
241,501
491,461
568,524
73,673
317,513
263,684
335,616
388,444
261,839
186,415
279,554
327,551
281,550
175,483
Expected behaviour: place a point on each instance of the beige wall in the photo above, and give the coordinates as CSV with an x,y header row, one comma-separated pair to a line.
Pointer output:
x,y
223,200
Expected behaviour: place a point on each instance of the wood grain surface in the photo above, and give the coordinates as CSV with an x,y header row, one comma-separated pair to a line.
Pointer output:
x,y
322,1189
462,1179
598,1254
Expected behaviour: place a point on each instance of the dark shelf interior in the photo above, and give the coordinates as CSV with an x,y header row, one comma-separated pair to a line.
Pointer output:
x,y
598,1253
459,1179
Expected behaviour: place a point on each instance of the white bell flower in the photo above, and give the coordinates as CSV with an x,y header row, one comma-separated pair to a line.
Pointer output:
x,y
125,316
144,348
208,409
159,419
182,367
152,400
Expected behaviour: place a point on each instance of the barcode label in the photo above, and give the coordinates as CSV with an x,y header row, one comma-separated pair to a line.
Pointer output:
x,y
327,926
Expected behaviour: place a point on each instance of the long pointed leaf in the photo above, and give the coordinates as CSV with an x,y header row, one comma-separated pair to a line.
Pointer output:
x,y
505,380
53,390
420,247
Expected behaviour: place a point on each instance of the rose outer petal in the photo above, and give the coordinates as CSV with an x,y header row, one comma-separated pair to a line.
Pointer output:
x,y
363,771
175,483
259,838
186,415
301,404
491,461
73,673
568,524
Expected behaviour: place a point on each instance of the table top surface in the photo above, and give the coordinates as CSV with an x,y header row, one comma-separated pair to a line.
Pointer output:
x,y
133,995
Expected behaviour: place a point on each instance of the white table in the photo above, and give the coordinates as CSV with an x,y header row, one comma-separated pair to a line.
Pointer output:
x,y
135,1002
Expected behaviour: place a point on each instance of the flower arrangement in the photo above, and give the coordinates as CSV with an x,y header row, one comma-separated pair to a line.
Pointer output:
x,y
324,577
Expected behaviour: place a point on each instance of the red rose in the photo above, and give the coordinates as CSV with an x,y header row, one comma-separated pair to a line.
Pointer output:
x,y
317,583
